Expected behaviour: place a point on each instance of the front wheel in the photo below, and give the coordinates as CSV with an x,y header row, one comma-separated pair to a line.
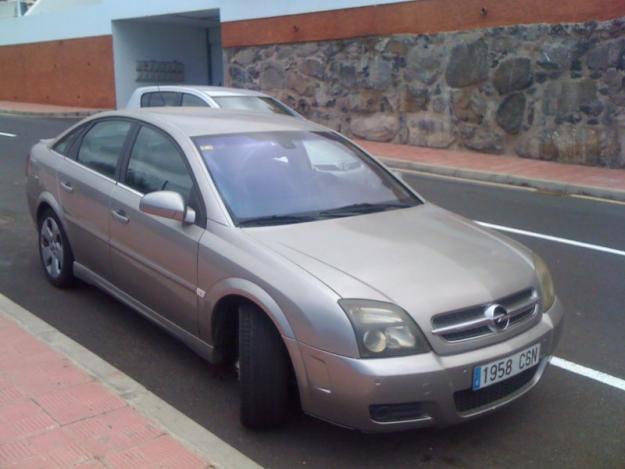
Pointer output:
x,y
54,251
264,368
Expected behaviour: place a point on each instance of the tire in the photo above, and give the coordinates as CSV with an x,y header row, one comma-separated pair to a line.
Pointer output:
x,y
55,252
264,371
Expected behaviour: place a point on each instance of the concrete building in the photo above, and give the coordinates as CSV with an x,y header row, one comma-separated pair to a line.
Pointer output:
x,y
539,78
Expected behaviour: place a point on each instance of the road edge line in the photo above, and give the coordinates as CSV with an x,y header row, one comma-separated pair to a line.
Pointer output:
x,y
191,434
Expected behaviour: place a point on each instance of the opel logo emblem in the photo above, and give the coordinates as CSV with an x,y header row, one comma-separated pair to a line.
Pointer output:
x,y
498,318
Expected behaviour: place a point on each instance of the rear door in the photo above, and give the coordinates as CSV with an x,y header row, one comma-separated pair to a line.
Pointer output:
x,y
155,259
86,181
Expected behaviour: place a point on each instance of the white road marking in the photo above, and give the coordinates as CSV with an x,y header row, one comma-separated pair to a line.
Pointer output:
x,y
531,234
4,134
600,376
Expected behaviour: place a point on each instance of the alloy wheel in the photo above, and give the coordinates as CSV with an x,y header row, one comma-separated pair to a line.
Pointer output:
x,y
51,244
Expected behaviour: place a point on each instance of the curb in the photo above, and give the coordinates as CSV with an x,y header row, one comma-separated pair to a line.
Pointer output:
x,y
540,184
192,435
61,115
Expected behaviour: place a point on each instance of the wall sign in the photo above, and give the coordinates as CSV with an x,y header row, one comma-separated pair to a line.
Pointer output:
x,y
160,72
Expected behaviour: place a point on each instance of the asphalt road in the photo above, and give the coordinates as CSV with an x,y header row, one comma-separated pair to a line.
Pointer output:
x,y
566,421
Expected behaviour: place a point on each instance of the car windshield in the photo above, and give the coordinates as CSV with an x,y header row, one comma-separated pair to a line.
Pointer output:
x,y
288,177
253,103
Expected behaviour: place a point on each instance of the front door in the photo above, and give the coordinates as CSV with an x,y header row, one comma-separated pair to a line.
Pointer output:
x,y
155,259
86,184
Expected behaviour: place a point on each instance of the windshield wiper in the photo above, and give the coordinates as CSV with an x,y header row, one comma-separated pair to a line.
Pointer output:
x,y
356,209
345,211
277,220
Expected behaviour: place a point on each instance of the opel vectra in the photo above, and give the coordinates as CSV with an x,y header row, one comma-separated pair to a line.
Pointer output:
x,y
282,248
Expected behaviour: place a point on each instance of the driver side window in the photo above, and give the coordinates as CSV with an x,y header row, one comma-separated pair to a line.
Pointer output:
x,y
156,164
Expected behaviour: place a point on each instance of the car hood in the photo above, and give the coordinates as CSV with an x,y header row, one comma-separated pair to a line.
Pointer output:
x,y
424,259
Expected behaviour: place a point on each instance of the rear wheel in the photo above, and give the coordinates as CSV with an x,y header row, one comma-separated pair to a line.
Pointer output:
x,y
264,370
54,251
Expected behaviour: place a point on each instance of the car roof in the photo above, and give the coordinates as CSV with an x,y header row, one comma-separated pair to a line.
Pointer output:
x,y
196,121
209,90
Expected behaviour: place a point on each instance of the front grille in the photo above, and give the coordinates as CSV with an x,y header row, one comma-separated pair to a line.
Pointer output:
x,y
468,323
468,399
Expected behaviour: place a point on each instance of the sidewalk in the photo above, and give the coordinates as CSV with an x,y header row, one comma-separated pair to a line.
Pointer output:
x,y
61,406
543,175
45,110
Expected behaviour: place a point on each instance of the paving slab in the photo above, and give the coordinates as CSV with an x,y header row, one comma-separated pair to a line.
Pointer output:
x,y
62,406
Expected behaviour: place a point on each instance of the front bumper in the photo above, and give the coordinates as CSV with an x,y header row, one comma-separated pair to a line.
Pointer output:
x,y
341,390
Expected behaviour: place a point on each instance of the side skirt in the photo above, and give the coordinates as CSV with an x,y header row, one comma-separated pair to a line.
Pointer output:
x,y
200,347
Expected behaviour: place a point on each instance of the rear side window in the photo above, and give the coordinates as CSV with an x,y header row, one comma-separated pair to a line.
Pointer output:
x,y
156,164
160,98
192,101
102,146
64,146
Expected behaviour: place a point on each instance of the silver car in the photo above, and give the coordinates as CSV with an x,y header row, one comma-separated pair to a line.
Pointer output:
x,y
282,248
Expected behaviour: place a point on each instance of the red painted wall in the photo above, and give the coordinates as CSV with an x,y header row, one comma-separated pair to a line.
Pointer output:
x,y
415,17
71,72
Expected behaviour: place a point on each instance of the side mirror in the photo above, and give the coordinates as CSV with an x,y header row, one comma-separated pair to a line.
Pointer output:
x,y
167,204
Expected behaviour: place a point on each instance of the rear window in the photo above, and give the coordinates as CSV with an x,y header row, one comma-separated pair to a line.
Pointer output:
x,y
160,98
253,103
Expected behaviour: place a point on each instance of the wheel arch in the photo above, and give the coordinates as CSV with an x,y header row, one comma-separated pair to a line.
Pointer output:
x,y
237,289
47,201
227,294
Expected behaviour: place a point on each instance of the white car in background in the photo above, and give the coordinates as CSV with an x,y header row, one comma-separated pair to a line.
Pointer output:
x,y
207,96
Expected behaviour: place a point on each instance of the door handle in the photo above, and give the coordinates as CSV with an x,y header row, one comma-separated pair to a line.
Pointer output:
x,y
120,216
67,187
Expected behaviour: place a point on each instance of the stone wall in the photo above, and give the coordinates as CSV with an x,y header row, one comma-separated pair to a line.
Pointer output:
x,y
553,92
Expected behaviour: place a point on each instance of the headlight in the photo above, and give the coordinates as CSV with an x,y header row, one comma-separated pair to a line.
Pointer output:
x,y
383,329
546,282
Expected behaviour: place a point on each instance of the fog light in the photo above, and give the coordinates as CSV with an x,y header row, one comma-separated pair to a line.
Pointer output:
x,y
397,412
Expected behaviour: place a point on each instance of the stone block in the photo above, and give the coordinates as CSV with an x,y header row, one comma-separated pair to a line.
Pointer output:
x,y
429,130
468,64
379,127
513,75
510,113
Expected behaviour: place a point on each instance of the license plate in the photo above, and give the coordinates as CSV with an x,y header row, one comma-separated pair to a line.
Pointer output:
x,y
504,368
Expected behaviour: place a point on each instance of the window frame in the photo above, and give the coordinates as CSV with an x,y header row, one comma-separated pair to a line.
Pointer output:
x,y
201,214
